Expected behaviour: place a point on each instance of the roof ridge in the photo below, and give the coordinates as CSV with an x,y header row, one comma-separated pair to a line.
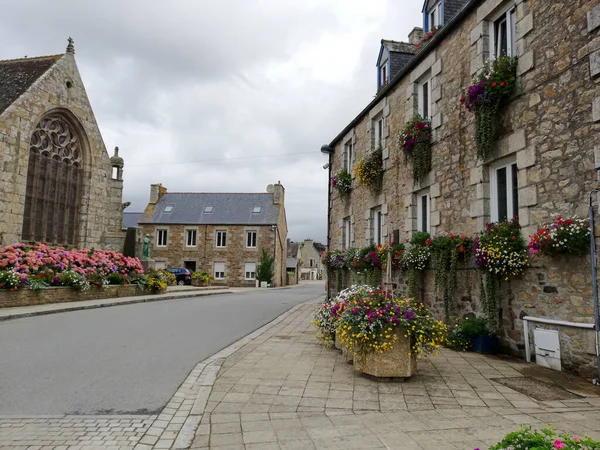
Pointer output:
x,y
168,192
57,57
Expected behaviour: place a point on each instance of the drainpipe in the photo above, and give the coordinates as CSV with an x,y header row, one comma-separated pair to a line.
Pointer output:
x,y
327,150
594,283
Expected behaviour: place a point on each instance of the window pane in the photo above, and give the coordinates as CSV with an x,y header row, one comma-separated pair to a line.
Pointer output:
x,y
426,100
515,191
424,213
502,194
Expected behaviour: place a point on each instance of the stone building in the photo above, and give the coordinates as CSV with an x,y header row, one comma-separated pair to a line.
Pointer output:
x,y
58,184
544,162
219,233
309,254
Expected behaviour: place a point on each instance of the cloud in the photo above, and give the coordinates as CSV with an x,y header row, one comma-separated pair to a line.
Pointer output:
x,y
196,93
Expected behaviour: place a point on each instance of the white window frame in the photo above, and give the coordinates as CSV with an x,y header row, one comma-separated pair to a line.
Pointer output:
x,y
249,233
219,275
506,163
425,106
221,238
346,233
385,76
162,237
249,274
509,16
435,12
189,232
256,209
378,128
423,196
348,149
377,219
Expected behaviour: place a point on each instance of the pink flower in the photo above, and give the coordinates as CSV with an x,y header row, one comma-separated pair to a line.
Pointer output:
x,y
559,444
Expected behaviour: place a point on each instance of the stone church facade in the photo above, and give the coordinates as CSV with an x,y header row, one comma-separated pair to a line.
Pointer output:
x,y
58,184
548,137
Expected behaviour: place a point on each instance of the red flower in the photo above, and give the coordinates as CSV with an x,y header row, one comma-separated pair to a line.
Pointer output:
x,y
502,83
462,99
494,84
428,241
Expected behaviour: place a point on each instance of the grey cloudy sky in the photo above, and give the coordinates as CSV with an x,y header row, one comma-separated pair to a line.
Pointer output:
x,y
211,95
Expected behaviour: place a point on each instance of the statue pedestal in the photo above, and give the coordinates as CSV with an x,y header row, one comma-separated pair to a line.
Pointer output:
x,y
148,264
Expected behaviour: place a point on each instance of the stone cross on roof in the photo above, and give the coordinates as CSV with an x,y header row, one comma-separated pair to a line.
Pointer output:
x,y
70,46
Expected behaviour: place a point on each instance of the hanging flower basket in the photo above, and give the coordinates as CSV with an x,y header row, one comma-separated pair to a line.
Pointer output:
x,y
415,140
369,169
563,236
491,89
342,182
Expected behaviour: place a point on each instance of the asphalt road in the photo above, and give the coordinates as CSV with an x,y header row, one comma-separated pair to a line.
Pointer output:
x,y
125,359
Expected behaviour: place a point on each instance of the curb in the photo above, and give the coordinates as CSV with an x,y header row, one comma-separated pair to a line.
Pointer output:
x,y
134,300
191,398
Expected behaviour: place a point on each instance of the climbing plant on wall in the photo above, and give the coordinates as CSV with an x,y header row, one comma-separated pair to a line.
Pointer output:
x,y
415,141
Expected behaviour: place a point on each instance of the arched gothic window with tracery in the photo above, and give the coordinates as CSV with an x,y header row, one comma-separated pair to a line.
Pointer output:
x,y
54,178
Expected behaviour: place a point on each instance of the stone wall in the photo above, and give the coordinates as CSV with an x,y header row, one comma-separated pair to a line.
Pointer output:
x,y
550,129
25,297
205,254
100,218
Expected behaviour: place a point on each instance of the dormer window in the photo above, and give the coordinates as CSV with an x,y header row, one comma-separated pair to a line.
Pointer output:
x,y
168,208
433,15
256,210
208,209
384,75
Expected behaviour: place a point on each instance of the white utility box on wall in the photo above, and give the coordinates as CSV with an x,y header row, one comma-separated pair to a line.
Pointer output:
x,y
547,348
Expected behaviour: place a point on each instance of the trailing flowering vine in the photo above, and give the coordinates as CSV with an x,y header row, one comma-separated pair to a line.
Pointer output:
x,y
563,236
369,170
415,140
492,87
342,182
415,259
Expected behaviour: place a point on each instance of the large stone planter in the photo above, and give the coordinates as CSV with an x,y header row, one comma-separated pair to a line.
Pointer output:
x,y
393,363
346,354
337,343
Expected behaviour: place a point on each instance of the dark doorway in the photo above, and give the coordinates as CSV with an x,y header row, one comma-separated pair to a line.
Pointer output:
x,y
190,265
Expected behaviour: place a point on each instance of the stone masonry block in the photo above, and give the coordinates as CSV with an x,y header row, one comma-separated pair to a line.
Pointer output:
x,y
528,196
436,69
408,200
384,230
436,121
386,153
476,175
517,141
486,9
477,208
526,63
435,219
386,111
593,18
595,64
524,216
482,191
597,157
525,158
384,208
436,94
524,26
422,68
596,109
434,190
476,33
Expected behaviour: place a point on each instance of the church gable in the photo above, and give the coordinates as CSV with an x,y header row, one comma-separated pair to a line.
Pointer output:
x,y
17,76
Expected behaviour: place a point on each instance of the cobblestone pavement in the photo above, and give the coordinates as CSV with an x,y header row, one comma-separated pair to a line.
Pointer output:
x,y
279,389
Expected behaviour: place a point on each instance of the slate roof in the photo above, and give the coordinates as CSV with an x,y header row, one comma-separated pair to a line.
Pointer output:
x,y
17,75
292,263
228,209
131,219
399,47
293,249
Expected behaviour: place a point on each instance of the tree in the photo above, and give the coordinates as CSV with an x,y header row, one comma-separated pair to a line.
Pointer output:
x,y
264,271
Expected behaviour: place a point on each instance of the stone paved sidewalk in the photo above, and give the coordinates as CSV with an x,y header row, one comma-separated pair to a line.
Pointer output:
x,y
284,391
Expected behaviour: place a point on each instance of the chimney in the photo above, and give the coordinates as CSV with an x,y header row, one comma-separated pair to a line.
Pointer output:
x,y
415,35
278,192
156,192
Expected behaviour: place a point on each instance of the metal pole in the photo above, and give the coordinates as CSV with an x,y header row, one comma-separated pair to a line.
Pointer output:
x,y
526,336
594,282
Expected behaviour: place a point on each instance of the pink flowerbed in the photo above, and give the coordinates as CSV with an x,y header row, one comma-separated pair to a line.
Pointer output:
x,y
41,261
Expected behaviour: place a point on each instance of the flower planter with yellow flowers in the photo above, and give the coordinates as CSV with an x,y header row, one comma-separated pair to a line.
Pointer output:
x,y
387,334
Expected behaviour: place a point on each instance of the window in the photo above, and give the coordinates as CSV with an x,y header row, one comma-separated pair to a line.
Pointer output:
x,y
168,208
208,209
347,233
251,239
54,183
376,222
435,17
504,188
378,130
221,238
348,156
503,39
256,210
190,238
311,262
250,271
423,212
219,271
424,96
384,75
161,238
